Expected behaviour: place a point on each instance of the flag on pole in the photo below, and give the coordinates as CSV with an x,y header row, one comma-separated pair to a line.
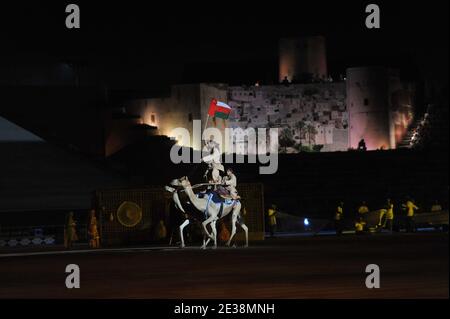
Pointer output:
x,y
219,109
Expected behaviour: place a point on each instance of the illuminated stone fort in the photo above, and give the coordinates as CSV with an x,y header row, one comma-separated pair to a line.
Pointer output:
x,y
312,111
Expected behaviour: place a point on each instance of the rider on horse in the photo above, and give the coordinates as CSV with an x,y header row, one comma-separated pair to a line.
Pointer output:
x,y
213,161
230,182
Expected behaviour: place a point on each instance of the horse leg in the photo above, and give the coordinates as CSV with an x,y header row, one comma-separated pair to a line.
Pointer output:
x,y
245,228
205,223
205,242
233,228
214,231
184,224
177,201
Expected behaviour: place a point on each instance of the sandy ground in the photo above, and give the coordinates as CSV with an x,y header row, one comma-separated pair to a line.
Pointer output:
x,y
412,266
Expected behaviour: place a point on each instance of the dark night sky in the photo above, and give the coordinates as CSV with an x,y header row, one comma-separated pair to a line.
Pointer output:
x,y
232,41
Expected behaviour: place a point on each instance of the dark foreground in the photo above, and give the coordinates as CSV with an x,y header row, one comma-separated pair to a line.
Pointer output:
x,y
412,266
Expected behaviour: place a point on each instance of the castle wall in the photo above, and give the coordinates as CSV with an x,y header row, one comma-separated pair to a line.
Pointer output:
x,y
331,116
401,113
305,114
368,105
185,104
177,110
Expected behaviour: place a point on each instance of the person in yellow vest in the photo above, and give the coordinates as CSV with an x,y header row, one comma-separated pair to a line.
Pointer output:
x,y
410,211
224,233
389,215
94,236
360,224
363,210
161,231
70,231
272,215
381,221
338,218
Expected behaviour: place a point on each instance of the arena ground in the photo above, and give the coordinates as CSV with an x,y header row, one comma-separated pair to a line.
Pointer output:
x,y
412,266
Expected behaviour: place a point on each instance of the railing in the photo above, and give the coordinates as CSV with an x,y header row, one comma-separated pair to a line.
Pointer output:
x,y
38,236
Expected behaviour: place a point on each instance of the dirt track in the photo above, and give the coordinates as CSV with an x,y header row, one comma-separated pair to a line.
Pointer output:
x,y
412,266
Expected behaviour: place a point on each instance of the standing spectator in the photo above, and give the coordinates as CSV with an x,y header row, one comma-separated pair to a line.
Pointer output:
x,y
272,215
224,234
338,218
285,81
360,224
389,215
410,211
70,232
363,210
382,224
94,237
161,231
362,145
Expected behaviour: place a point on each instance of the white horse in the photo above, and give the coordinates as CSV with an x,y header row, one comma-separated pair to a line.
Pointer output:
x,y
211,210
188,219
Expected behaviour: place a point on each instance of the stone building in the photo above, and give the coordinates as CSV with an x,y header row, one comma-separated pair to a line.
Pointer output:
x,y
311,112
315,114
380,107
372,104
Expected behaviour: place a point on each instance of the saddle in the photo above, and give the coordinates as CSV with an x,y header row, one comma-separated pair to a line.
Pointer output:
x,y
223,192
216,197
219,196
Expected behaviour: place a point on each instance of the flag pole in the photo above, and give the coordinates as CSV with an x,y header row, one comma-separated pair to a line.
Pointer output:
x,y
206,124
212,108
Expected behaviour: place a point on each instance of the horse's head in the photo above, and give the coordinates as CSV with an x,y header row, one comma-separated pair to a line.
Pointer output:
x,y
181,182
169,189
184,181
175,182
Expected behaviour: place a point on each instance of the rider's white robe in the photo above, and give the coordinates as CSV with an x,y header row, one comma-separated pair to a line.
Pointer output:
x,y
231,182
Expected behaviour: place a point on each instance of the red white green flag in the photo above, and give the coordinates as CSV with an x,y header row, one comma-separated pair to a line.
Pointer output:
x,y
219,109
